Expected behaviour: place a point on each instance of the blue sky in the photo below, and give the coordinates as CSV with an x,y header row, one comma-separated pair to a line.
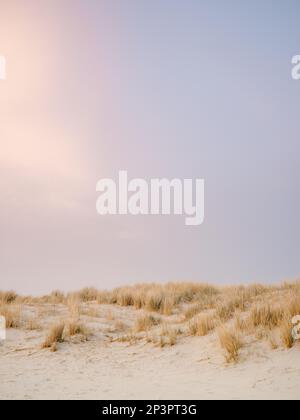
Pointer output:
x,y
161,89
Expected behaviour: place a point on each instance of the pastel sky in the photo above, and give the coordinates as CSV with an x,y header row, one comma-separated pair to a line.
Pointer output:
x,y
173,88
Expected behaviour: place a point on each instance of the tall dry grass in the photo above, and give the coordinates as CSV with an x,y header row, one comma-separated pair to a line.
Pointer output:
x,y
201,325
267,315
286,335
230,342
157,298
293,303
54,336
261,311
74,327
236,299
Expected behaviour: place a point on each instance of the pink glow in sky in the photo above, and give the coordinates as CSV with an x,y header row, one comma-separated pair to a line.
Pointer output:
x,y
160,89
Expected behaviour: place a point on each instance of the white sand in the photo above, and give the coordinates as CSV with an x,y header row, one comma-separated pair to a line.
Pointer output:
x,y
192,369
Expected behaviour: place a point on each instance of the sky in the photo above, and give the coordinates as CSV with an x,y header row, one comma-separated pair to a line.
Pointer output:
x,y
173,88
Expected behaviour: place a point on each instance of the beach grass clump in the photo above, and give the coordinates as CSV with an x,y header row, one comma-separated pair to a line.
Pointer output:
x,y
55,335
230,342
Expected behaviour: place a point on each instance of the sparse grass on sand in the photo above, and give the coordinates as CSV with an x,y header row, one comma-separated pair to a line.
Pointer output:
x,y
60,331
165,314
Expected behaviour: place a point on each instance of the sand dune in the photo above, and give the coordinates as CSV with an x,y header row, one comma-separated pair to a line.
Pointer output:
x,y
122,354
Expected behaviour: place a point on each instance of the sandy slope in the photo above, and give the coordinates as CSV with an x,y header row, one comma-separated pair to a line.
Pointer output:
x,y
98,369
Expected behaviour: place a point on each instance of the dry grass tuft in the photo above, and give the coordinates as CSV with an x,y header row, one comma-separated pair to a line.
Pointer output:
x,y
286,328
225,311
231,342
154,302
202,325
55,335
146,322
77,328
88,294
168,336
231,304
266,316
